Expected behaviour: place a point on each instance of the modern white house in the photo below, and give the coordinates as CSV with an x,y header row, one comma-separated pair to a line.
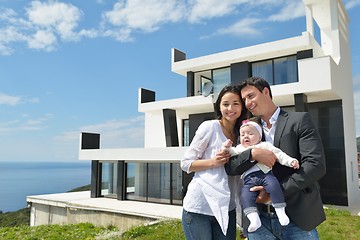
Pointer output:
x,y
307,73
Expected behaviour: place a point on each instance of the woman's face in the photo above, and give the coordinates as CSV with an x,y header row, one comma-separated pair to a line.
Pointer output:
x,y
230,106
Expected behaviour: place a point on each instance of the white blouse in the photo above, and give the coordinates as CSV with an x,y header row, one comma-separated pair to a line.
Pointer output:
x,y
211,191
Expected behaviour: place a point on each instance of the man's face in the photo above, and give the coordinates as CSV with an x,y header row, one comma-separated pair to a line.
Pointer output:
x,y
255,101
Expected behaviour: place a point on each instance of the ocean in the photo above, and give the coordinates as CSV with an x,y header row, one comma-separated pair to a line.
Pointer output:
x,y
21,179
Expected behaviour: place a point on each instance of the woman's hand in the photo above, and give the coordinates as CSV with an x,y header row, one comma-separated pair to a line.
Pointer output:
x,y
221,158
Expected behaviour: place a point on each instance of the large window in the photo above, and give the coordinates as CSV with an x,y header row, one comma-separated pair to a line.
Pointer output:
x,y
285,70
276,71
263,69
136,181
217,77
109,179
221,77
154,182
159,182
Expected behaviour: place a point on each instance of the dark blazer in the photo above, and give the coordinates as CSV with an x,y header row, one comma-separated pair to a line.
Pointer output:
x,y
297,136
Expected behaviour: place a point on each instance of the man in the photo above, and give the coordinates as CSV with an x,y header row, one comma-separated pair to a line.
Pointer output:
x,y
295,134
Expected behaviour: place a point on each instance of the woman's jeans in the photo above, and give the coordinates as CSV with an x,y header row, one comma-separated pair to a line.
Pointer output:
x,y
204,227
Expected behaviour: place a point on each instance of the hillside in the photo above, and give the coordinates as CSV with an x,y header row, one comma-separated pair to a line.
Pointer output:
x,y
22,216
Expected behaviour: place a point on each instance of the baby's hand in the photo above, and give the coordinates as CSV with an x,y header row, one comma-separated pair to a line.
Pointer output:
x,y
294,164
226,145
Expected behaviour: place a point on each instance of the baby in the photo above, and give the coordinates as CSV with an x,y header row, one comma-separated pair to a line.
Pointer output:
x,y
259,174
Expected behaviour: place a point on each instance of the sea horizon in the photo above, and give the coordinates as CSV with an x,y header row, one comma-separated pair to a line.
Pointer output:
x,y
19,179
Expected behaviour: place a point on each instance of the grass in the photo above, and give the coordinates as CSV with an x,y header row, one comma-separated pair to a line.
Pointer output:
x,y
63,232
18,218
339,225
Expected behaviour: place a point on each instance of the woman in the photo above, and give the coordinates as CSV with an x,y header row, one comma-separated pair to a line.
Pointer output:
x,y
209,204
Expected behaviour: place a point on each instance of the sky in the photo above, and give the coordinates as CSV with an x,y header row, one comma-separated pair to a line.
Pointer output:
x,y
68,67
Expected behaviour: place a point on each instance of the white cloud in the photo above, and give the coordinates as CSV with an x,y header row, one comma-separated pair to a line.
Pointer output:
x,y
45,23
243,28
45,40
140,15
9,100
131,16
38,121
9,35
91,33
351,3
24,124
251,12
48,23
7,14
207,9
122,133
6,99
59,17
121,35
292,10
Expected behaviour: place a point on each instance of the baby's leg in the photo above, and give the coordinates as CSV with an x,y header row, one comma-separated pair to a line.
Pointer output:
x,y
283,218
248,201
272,186
255,221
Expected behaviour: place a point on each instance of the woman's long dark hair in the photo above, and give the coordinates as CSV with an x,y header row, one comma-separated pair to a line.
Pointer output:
x,y
244,112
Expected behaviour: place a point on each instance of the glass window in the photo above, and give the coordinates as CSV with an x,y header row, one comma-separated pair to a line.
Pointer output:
x,y
263,69
136,182
154,182
285,70
276,71
221,77
206,86
159,182
109,179
176,184
186,136
200,79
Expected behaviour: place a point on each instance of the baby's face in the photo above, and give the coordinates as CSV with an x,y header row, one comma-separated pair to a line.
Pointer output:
x,y
249,136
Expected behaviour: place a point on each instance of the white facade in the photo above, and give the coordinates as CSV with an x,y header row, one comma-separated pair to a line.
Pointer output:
x,y
326,76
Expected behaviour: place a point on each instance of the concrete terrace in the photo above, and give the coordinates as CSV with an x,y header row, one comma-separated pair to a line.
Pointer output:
x,y
77,207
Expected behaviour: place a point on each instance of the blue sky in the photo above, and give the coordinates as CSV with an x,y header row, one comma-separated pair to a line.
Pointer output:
x,y
73,66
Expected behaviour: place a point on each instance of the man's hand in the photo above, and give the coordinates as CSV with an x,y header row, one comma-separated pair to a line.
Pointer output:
x,y
263,156
263,197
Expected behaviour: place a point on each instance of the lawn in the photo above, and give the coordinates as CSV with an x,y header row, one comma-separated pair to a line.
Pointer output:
x,y
339,225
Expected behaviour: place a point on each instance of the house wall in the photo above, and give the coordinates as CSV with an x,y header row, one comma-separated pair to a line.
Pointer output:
x,y
154,131
44,214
